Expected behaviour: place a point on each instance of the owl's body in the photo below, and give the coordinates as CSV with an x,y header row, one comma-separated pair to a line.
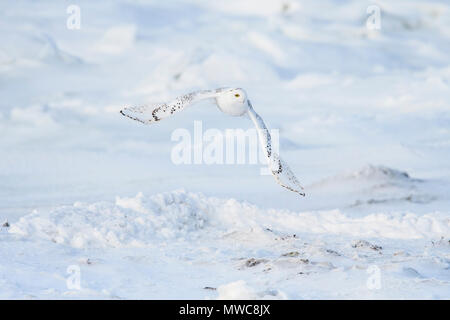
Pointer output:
x,y
231,101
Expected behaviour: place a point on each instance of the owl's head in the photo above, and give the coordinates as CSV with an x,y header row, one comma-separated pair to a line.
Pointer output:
x,y
233,101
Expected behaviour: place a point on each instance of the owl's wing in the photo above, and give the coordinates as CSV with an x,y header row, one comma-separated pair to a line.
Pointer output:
x,y
152,113
280,170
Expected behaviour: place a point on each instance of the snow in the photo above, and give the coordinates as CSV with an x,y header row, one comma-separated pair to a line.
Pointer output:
x,y
140,221
364,123
239,290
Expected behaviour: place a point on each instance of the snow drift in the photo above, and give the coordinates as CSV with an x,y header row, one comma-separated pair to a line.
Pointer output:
x,y
143,220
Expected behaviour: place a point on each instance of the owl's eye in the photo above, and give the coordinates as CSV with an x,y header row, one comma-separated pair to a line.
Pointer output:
x,y
237,95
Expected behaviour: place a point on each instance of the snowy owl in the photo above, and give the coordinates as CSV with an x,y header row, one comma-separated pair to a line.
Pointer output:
x,y
234,102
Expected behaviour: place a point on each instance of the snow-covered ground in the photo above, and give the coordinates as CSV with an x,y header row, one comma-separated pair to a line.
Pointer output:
x,y
364,120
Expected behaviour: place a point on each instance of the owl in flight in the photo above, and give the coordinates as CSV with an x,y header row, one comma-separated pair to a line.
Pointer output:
x,y
234,102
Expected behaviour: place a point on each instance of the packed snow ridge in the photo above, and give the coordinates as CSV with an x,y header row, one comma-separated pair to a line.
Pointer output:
x,y
143,220
373,173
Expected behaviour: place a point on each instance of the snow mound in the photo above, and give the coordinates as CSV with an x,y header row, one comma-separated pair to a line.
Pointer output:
x,y
51,53
371,173
235,291
240,290
129,222
376,185
146,221
381,172
117,39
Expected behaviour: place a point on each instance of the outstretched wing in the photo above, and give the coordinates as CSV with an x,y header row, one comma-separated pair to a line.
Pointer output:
x,y
152,113
280,170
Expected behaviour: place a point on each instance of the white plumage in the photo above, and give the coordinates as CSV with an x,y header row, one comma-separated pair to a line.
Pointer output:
x,y
234,102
